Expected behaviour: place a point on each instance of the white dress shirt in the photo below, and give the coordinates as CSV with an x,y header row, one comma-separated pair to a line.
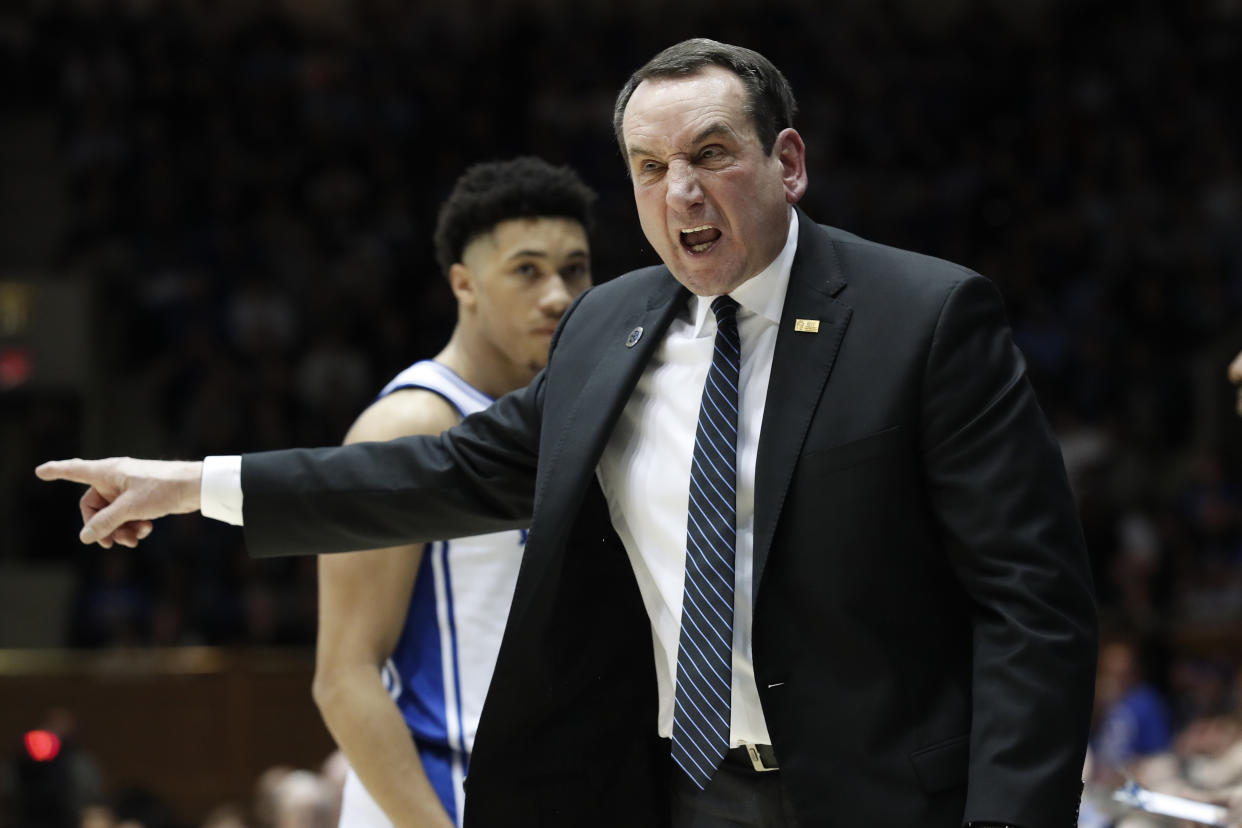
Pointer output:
x,y
221,496
645,475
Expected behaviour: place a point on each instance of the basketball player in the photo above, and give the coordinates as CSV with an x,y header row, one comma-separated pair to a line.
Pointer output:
x,y
420,626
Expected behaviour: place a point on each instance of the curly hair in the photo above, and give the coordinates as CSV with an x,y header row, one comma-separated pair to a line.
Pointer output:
x,y
495,191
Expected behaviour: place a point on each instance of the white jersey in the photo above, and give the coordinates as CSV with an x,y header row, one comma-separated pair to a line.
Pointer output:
x,y
439,672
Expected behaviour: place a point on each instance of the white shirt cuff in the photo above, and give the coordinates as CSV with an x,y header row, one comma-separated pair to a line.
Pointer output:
x,y
222,491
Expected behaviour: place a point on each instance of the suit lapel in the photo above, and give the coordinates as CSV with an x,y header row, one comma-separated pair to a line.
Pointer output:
x,y
597,401
608,387
801,364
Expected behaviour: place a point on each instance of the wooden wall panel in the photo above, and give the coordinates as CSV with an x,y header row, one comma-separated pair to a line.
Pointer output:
x,y
194,725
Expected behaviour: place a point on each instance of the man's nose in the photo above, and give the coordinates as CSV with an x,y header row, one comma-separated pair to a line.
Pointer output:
x,y
556,297
684,190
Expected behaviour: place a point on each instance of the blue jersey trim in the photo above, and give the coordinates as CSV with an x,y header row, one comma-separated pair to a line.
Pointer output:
x,y
418,657
452,619
429,375
438,765
466,388
414,386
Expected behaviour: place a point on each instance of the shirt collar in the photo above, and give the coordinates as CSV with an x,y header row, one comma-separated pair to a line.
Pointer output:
x,y
764,293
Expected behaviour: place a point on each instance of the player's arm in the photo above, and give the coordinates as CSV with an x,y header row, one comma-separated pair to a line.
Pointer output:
x,y
363,601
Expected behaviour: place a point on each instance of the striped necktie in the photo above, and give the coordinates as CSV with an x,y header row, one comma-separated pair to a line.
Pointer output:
x,y
705,649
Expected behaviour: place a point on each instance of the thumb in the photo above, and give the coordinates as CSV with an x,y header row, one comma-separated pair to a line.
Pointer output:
x,y
106,521
76,470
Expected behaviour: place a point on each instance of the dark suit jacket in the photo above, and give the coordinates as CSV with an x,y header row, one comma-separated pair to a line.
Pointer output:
x,y
924,630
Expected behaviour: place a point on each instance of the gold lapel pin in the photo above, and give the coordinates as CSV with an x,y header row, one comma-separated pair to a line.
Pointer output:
x,y
806,325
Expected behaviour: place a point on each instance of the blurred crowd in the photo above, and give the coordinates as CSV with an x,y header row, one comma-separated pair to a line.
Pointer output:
x,y
1185,743
54,782
250,192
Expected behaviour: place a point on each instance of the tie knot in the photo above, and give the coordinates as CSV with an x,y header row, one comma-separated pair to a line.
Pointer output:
x,y
725,307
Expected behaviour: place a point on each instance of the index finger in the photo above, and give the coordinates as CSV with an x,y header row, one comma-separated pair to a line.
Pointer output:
x,y
76,470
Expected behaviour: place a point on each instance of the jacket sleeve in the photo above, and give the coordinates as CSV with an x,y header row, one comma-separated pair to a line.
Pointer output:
x,y
475,478
998,486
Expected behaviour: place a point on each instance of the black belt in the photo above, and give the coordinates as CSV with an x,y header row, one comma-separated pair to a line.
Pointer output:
x,y
759,758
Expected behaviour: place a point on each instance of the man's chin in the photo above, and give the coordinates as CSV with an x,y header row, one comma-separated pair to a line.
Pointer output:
x,y
706,281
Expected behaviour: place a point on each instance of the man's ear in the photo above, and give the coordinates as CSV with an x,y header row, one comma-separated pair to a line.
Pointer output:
x,y
462,283
791,152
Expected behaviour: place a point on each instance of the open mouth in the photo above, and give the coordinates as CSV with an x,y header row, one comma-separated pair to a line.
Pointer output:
x,y
698,240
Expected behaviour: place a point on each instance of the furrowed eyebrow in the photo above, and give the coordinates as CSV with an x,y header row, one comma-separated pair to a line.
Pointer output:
x,y
716,128
634,152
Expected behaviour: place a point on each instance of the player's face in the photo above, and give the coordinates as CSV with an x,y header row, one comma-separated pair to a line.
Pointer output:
x,y
526,273
712,203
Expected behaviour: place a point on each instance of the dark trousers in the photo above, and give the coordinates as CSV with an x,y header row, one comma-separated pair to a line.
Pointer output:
x,y
736,796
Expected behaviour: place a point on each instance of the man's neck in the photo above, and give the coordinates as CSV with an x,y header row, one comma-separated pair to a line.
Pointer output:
x,y
480,365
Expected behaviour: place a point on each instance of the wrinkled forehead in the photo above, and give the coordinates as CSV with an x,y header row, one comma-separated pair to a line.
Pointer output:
x,y
673,109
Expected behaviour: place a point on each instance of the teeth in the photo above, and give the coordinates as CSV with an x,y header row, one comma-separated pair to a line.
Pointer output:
x,y
699,248
698,229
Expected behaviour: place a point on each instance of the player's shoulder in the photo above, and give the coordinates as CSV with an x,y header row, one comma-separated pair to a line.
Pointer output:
x,y
401,413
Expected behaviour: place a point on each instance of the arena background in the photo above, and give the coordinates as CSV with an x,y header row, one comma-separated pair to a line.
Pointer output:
x,y
215,221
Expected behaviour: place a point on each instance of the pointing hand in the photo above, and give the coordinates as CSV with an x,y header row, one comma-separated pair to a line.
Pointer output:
x,y
125,494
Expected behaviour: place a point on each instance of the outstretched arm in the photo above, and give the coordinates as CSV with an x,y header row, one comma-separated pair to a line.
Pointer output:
x,y
477,478
125,494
